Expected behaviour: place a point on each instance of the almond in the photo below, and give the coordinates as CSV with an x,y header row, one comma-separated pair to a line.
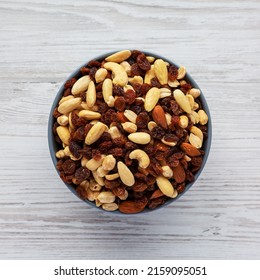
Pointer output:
x,y
130,207
179,173
190,150
151,98
158,115
166,187
119,56
156,194
125,174
95,133
81,85
161,72
182,100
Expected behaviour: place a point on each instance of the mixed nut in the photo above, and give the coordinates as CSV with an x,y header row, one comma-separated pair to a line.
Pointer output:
x,y
130,130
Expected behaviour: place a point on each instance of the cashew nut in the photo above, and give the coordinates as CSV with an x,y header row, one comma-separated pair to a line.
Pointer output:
x,y
119,73
141,156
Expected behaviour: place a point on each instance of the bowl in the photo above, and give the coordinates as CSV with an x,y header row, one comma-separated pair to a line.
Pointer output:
x,y
54,147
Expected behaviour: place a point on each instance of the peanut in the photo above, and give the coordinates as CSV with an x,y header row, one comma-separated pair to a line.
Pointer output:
x,y
63,120
196,131
203,117
110,206
94,186
114,132
106,197
195,141
63,99
194,117
194,92
136,80
109,162
184,121
173,84
167,171
165,92
99,180
129,127
100,75
112,177
101,172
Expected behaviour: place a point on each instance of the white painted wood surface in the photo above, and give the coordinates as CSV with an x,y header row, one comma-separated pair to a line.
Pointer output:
x,y
42,42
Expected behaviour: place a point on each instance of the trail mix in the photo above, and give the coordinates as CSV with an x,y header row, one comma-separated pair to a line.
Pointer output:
x,y
130,130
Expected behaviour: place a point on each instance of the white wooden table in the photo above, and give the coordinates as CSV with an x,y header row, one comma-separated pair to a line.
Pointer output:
x,y
42,42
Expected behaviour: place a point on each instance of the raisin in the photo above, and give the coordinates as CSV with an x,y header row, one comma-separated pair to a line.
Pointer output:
x,y
140,176
87,128
135,54
137,109
102,108
139,187
196,161
117,90
112,184
156,202
172,73
136,70
109,116
104,146
81,174
150,180
185,88
57,139
81,192
74,118
117,152
171,138
127,160
157,132
139,102
180,188
56,113
81,121
79,134
99,86
189,176
175,120
54,128
75,149
160,155
86,152
105,136
59,164
141,202
118,190
94,63
155,82
119,141
69,83
66,178
67,92
84,71
142,120
150,149
129,96
176,110
92,73
184,163
96,154
143,62
99,95
69,167
120,103
130,146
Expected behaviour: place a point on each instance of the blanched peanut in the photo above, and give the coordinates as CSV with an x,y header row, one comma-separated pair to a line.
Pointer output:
x,y
181,72
184,121
203,118
112,177
99,180
114,132
194,92
167,171
94,186
93,164
106,197
130,115
110,206
101,172
63,120
129,127
109,162
100,75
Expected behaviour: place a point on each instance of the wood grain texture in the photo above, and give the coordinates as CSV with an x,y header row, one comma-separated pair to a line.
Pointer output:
x,y
42,42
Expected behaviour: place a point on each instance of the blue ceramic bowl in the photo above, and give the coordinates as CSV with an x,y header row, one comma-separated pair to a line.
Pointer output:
x,y
53,146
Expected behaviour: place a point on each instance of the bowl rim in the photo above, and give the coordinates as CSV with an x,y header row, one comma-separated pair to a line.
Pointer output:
x,y
206,145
